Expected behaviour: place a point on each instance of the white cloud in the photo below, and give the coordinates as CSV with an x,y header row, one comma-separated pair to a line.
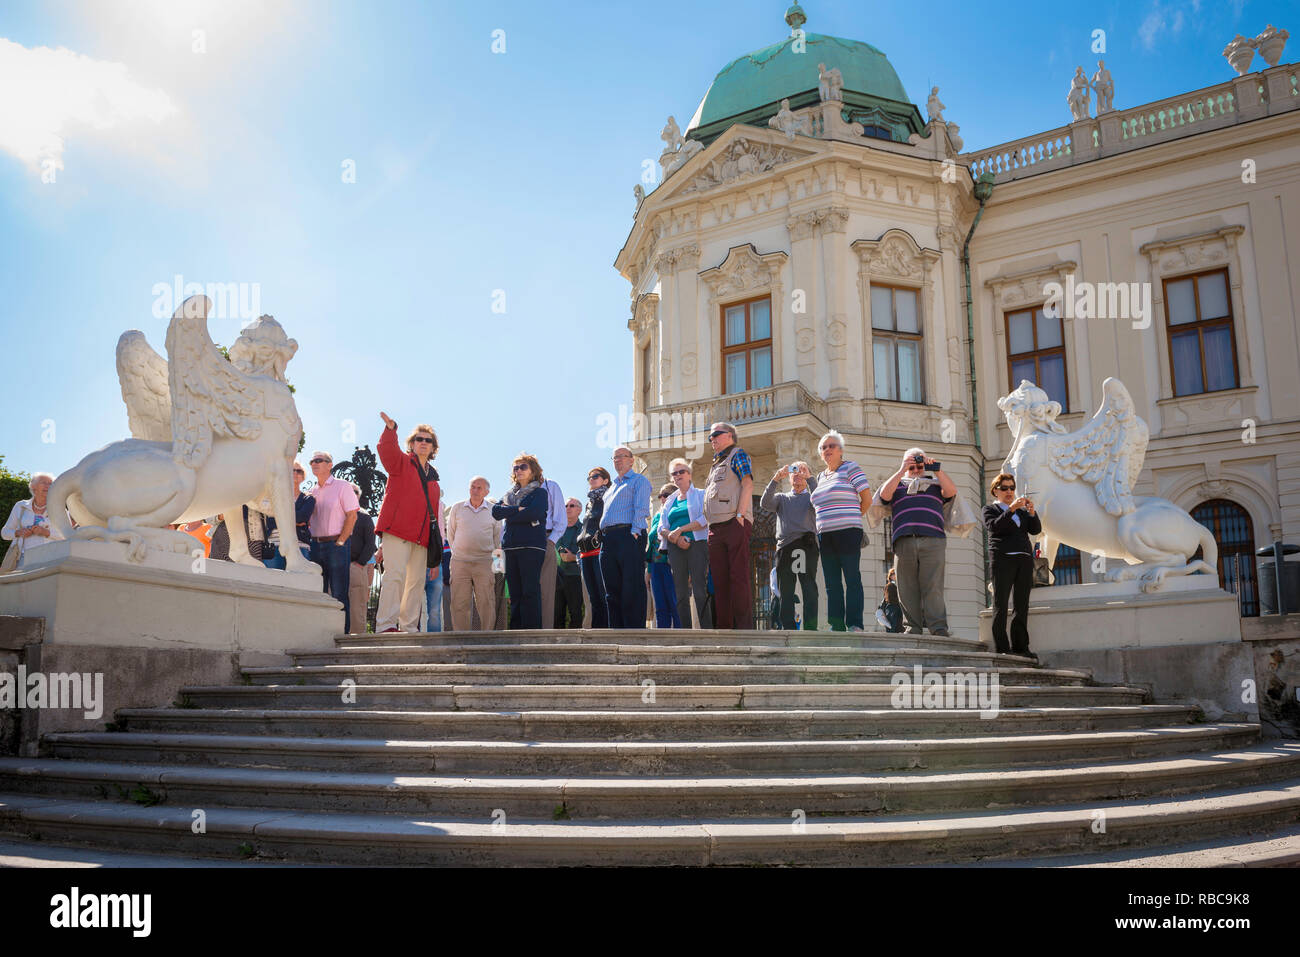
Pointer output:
x,y
61,91
1157,22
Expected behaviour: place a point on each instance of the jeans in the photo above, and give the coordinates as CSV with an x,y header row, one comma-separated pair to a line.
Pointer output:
x,y
273,558
595,590
841,552
433,601
798,558
661,580
335,562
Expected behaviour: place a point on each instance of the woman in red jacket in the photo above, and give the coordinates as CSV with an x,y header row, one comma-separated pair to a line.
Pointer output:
x,y
412,503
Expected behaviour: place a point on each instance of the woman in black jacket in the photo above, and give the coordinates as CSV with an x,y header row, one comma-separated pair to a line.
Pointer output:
x,y
1010,521
524,541
589,546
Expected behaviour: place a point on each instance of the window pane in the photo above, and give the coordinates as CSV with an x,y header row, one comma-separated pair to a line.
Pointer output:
x,y
760,364
760,320
1023,369
905,307
1020,329
909,370
1182,302
1049,331
1214,295
735,325
1051,376
1218,358
736,372
1187,363
882,315
883,352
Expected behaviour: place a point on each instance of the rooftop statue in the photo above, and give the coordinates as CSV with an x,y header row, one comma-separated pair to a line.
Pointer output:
x,y
210,436
1078,97
934,107
1082,486
1104,87
830,83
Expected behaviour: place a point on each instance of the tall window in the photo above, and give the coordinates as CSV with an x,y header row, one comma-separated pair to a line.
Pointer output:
x,y
1235,534
747,345
1066,569
1199,316
1036,351
896,343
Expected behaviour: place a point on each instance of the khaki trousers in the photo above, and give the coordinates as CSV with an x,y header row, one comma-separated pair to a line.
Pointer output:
x,y
549,571
358,597
402,592
472,586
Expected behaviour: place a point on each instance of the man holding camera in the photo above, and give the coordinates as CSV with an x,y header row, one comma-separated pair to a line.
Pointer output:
x,y
916,500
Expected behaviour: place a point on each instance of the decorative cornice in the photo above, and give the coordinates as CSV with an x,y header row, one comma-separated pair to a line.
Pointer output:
x,y
744,270
1027,286
1212,248
682,257
895,255
830,219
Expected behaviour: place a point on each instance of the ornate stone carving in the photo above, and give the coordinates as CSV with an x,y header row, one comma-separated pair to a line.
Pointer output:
x,y
689,364
934,107
744,270
210,436
804,340
837,335
895,255
1239,54
645,313
1104,87
789,122
678,149
1079,98
1270,44
830,83
1027,288
682,257
741,159
639,192
831,219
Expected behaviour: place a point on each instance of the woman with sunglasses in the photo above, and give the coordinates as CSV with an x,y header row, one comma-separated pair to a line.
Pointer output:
x,y
686,533
524,509
410,521
1010,521
840,499
657,569
589,546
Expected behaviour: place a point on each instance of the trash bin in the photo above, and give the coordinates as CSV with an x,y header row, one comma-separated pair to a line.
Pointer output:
x,y
1268,582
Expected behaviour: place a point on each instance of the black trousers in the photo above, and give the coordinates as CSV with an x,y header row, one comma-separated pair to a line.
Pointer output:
x,y
568,601
800,553
622,568
1013,577
524,579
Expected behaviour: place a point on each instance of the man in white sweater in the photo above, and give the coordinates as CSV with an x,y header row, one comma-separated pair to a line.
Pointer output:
x,y
474,536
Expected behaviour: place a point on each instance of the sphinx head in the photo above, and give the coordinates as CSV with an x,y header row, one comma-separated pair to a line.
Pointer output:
x,y
263,349
1030,406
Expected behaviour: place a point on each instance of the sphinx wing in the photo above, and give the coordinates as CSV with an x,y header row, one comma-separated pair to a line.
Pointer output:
x,y
210,397
142,374
1107,452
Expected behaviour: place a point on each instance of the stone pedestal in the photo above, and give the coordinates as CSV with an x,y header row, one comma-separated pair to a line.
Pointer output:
x,y
149,628
1183,642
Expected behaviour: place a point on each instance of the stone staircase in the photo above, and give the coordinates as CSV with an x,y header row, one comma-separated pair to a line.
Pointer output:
x,y
656,747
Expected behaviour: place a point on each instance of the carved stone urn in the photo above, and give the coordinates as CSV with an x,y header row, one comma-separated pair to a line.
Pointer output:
x,y
1239,53
1270,44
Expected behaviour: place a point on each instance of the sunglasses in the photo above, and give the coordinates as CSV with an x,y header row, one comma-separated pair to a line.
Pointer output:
x,y
681,472
572,505
714,435
318,461
522,467
298,472
1006,488
423,438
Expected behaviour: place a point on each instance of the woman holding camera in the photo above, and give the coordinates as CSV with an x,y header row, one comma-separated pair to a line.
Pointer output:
x,y
1010,521
524,509
796,542
589,546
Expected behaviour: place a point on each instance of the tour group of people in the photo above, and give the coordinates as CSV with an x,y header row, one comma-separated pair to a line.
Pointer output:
x,y
694,549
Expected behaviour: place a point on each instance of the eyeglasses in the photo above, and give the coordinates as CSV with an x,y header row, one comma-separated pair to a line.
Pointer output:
x,y
1006,488
423,438
681,472
830,445
714,435
319,461
521,467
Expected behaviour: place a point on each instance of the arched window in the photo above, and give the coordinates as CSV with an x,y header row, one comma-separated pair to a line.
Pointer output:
x,y
1233,530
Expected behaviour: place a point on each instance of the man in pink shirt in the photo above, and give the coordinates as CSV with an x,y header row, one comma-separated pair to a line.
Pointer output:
x,y
331,527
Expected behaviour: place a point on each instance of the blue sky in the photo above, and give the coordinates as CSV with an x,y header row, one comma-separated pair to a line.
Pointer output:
x,y
475,172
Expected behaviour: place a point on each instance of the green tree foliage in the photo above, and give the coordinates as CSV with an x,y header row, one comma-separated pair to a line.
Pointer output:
x,y
13,488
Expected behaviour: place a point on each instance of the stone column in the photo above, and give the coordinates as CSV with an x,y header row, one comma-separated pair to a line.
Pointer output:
x,y
806,326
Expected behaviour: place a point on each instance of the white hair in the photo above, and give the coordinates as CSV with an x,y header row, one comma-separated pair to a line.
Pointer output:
x,y
913,452
672,466
832,434
36,477
483,479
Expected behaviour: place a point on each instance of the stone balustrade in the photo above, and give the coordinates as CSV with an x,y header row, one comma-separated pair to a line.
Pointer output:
x,y
1238,100
683,419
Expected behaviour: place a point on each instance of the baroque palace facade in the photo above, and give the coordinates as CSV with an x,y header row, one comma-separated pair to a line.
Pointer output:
x,y
800,268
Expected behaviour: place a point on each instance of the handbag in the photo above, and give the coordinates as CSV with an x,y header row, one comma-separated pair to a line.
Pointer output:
x,y
433,557
13,553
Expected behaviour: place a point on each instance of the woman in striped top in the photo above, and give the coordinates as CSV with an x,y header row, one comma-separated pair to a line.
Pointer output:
x,y
839,502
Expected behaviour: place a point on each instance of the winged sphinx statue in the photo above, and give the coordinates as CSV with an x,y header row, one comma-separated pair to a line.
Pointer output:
x,y
210,435
1082,486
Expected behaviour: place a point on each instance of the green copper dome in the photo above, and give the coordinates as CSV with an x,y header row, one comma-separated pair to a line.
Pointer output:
x,y
750,88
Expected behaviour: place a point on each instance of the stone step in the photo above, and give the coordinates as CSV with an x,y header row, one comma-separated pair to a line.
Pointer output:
x,y
1280,848
665,636
392,839
659,725
660,797
635,696
665,673
644,757
899,658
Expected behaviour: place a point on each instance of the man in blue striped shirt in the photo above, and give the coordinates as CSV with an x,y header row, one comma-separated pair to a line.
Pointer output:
x,y
919,543
622,543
